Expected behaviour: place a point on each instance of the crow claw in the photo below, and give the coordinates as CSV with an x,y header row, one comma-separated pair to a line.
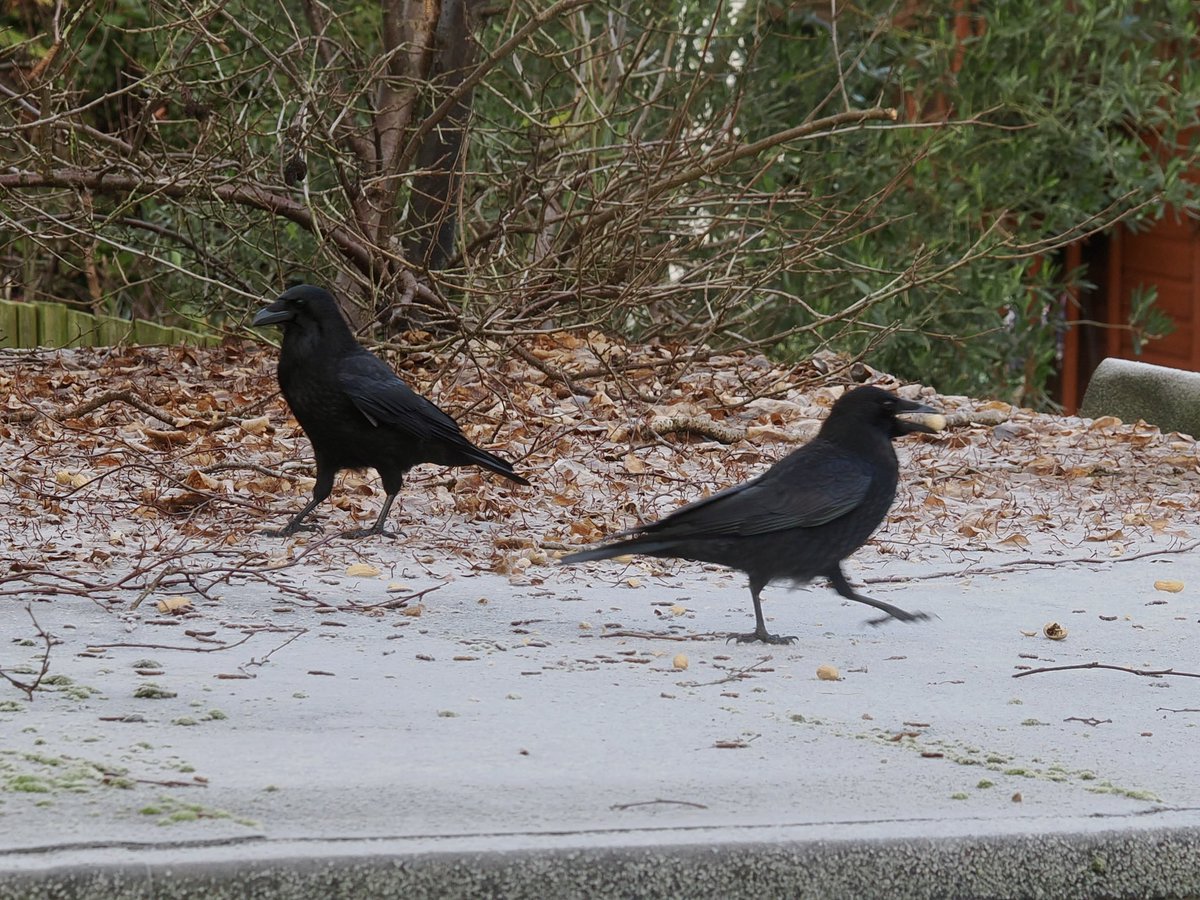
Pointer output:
x,y
289,530
368,532
907,617
765,637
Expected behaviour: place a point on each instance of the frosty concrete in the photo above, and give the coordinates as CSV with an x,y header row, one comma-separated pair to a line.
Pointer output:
x,y
510,741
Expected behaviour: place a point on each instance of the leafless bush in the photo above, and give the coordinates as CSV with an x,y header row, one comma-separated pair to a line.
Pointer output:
x,y
227,147
669,169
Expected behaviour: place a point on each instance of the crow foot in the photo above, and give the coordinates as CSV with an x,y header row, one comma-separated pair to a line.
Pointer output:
x,y
902,616
368,532
764,636
289,530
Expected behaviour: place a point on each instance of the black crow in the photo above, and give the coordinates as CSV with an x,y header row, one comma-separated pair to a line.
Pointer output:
x,y
354,409
801,517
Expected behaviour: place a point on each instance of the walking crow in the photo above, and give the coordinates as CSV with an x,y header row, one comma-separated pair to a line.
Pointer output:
x,y
354,409
801,517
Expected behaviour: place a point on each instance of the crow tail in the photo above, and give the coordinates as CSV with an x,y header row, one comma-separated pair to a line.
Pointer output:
x,y
479,457
645,546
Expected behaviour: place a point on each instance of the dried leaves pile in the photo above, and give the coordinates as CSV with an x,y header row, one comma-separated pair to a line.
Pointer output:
x,y
127,471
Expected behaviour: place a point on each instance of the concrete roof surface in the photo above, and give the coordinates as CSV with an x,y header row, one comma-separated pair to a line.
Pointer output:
x,y
545,738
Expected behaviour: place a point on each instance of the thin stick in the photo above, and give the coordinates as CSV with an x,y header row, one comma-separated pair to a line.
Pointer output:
x,y
393,602
190,649
28,687
1023,563
736,675
653,802
1148,673
87,406
551,372
655,636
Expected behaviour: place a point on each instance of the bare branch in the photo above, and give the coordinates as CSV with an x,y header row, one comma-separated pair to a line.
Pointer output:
x,y
247,194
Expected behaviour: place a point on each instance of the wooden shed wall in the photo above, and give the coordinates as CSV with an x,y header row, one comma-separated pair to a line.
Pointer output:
x,y
1166,257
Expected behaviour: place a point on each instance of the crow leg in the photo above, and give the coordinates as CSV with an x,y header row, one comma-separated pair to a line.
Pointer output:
x,y
760,632
378,527
838,580
321,490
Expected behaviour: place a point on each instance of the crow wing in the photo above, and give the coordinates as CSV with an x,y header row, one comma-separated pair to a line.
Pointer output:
x,y
379,394
814,485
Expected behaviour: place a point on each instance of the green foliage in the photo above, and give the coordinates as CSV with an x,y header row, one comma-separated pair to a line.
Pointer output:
x,y
1059,115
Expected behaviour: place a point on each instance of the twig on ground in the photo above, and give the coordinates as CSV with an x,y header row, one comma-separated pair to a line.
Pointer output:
x,y
551,372
28,687
88,406
152,585
238,643
965,417
236,416
1147,673
261,661
736,675
702,426
1019,564
653,802
658,636
110,777
393,602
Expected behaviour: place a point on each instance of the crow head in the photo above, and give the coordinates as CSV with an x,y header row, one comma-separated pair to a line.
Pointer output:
x,y
303,305
876,408
304,301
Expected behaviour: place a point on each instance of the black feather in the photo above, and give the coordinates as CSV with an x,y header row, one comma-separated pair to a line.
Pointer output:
x,y
800,518
355,410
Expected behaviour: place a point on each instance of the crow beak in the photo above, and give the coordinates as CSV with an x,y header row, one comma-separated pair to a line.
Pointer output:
x,y
275,314
928,420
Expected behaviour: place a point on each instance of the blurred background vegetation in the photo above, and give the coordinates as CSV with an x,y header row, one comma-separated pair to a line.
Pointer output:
x,y
892,180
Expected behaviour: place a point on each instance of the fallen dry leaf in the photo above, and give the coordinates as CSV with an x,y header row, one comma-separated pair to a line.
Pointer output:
x,y
199,481
1171,587
228,466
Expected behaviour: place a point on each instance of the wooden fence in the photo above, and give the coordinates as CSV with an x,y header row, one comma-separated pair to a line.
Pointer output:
x,y
55,325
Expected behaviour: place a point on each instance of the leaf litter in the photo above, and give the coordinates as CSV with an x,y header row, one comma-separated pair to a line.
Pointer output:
x,y
191,453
